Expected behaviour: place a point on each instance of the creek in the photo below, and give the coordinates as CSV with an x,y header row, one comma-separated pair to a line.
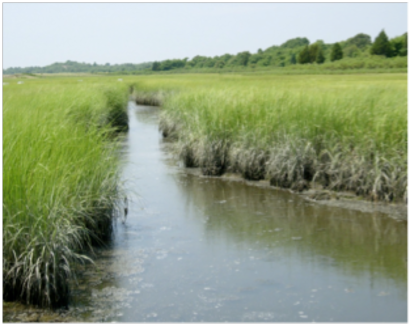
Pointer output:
x,y
201,249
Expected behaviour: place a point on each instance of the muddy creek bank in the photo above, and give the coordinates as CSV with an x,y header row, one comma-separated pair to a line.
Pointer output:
x,y
212,249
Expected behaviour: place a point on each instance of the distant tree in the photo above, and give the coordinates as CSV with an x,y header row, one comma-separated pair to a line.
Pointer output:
x,y
313,51
226,57
403,51
336,52
295,42
243,58
320,57
304,56
360,40
266,61
351,51
178,63
219,64
197,61
254,58
166,65
210,62
381,45
399,45
293,59
396,46
156,66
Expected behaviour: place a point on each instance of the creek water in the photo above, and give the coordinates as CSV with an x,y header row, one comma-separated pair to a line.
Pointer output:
x,y
196,249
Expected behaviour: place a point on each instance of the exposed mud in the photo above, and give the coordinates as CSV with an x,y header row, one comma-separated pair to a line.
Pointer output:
x,y
96,283
343,199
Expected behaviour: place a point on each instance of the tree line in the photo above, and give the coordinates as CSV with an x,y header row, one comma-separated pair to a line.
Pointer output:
x,y
77,67
298,50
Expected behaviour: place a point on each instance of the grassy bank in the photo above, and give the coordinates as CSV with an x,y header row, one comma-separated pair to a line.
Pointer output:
x,y
60,181
336,132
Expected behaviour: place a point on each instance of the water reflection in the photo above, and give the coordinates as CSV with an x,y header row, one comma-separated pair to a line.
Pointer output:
x,y
281,222
225,251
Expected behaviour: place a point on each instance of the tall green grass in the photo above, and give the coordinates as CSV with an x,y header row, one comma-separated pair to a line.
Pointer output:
x,y
60,161
337,132
60,181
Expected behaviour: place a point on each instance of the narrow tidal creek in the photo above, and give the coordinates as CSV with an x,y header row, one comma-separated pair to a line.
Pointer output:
x,y
198,249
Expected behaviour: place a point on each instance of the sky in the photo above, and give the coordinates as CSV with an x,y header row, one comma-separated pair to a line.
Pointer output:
x,y
39,34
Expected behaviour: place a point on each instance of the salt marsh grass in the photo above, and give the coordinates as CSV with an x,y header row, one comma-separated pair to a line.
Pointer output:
x,y
60,159
60,181
337,132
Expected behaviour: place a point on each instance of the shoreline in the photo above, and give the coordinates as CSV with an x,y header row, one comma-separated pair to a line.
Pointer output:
x,y
313,192
330,198
341,199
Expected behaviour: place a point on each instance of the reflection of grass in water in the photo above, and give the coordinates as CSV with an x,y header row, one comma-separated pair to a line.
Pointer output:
x,y
358,242
60,182
342,132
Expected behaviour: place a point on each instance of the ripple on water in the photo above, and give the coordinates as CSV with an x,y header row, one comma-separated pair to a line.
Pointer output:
x,y
258,315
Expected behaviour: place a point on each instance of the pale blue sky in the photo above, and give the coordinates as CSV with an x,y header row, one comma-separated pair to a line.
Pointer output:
x,y
38,34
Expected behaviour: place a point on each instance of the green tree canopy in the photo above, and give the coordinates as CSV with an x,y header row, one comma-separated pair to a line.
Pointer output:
x,y
381,45
266,61
404,50
352,51
313,51
197,61
336,52
293,59
219,64
360,40
243,58
295,42
254,58
320,57
304,56
292,51
399,45
226,57
155,66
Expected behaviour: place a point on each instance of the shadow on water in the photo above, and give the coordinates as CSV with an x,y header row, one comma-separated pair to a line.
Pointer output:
x,y
205,249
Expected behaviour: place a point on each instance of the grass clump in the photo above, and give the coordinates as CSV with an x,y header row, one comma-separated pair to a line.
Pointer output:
x,y
116,107
60,184
143,96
